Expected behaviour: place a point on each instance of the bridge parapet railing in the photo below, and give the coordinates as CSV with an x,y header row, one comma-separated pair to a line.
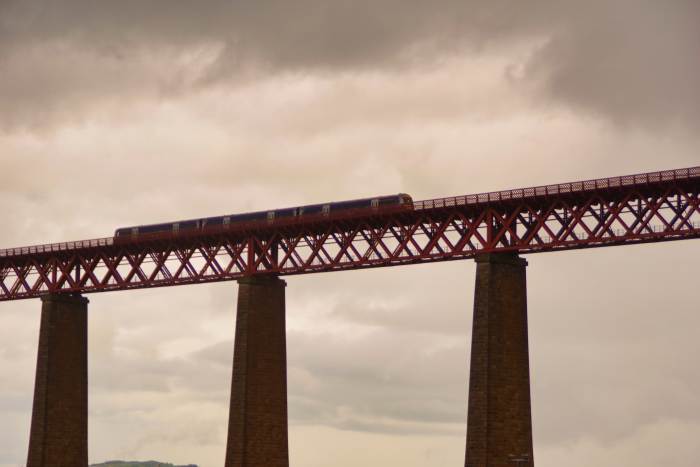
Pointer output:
x,y
563,188
54,247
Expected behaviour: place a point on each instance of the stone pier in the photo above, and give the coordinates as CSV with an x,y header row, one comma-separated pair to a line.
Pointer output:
x,y
499,425
257,432
59,429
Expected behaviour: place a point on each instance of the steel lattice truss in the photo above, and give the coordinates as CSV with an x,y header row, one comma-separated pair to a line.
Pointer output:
x,y
659,206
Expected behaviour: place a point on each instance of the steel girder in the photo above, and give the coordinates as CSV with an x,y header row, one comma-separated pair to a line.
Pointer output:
x,y
660,206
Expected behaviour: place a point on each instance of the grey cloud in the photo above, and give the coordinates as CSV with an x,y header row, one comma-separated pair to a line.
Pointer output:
x,y
387,381
664,442
278,33
631,61
59,57
637,366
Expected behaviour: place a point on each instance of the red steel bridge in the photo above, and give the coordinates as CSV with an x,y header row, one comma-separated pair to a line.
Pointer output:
x,y
651,207
493,228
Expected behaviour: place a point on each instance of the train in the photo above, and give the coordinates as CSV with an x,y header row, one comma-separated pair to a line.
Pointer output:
x,y
194,225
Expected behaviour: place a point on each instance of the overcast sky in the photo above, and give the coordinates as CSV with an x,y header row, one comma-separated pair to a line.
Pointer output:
x,y
129,112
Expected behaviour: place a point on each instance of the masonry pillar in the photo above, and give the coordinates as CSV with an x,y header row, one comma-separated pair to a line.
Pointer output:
x,y
58,436
257,432
499,424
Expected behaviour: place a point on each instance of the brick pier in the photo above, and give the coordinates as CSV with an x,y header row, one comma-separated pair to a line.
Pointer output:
x,y
58,436
257,433
499,425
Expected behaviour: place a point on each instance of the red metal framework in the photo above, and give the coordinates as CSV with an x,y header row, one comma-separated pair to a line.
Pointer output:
x,y
658,206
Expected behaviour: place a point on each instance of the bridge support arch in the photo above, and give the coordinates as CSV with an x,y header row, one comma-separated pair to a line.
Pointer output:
x,y
257,432
499,420
59,429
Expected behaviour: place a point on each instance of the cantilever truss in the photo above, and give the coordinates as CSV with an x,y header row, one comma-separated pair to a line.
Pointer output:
x,y
659,206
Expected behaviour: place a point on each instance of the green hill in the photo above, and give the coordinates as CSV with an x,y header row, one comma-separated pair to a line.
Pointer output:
x,y
138,464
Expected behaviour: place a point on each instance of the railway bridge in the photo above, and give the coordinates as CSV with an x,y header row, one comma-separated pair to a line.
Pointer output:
x,y
495,229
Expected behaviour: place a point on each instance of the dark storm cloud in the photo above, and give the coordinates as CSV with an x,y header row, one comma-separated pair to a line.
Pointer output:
x,y
304,33
632,60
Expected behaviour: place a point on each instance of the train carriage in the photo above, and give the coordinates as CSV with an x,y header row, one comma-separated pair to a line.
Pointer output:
x,y
327,209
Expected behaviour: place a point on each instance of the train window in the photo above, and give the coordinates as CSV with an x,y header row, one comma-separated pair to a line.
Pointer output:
x,y
375,203
326,209
134,231
270,216
176,226
227,220
283,213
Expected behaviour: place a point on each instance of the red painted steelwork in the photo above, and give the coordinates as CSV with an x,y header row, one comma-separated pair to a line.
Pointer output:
x,y
658,206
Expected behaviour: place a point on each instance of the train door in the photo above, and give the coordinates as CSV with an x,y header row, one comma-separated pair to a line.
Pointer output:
x,y
176,227
326,209
270,217
375,203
